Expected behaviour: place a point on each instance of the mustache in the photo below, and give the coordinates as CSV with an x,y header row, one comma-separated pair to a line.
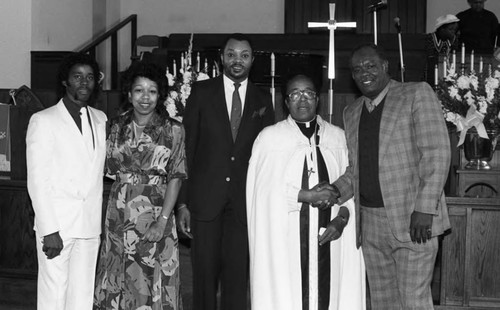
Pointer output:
x,y
238,65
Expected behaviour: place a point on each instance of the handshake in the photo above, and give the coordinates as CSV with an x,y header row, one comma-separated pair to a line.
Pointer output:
x,y
323,195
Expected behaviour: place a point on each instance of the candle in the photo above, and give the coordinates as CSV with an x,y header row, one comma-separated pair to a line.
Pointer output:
x,y
445,62
167,70
436,75
182,60
272,64
174,66
463,54
481,64
444,66
472,61
198,61
213,70
454,58
189,59
206,65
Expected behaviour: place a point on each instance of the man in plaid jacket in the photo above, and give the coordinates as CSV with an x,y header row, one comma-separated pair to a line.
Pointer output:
x,y
399,156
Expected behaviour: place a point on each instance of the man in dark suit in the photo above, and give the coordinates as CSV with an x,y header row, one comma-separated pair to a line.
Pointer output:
x,y
223,117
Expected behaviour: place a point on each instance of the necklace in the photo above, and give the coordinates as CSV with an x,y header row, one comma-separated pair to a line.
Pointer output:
x,y
138,129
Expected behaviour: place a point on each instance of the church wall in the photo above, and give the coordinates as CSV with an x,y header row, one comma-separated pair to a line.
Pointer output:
x,y
37,25
15,42
202,16
57,27
436,8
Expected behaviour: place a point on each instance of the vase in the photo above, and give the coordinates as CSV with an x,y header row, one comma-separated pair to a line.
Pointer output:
x,y
479,151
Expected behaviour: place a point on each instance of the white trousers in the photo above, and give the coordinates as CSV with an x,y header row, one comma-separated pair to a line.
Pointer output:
x,y
66,282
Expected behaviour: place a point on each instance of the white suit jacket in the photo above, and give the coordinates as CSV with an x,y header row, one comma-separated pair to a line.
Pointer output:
x,y
65,180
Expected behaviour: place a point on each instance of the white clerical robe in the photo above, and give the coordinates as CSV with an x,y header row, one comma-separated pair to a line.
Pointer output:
x,y
273,183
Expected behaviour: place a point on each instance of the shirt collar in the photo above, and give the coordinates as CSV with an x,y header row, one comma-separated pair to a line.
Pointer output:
x,y
375,102
230,83
72,107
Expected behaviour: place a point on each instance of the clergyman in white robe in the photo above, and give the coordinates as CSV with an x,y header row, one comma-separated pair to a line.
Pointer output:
x,y
273,183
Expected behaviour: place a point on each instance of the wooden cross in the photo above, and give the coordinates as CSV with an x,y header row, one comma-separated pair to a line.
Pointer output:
x,y
331,25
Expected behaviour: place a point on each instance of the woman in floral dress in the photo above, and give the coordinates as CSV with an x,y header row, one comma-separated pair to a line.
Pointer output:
x,y
139,260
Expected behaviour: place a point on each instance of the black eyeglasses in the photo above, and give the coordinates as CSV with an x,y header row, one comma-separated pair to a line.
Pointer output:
x,y
308,94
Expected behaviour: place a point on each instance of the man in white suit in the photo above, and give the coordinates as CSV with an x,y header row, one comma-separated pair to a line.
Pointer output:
x,y
65,159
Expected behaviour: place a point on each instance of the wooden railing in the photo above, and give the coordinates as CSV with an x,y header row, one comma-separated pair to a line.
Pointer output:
x,y
113,35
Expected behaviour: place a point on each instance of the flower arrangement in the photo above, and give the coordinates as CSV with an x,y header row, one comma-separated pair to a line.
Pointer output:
x,y
180,83
471,100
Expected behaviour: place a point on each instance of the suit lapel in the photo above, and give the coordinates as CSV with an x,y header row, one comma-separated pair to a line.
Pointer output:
x,y
69,123
96,123
352,128
220,107
390,114
248,109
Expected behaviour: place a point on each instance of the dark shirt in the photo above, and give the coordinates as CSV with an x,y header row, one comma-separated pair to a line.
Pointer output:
x,y
74,110
478,30
308,131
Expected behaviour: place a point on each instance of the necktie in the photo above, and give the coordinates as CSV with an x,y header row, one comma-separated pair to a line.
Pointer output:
x,y
369,105
86,130
236,111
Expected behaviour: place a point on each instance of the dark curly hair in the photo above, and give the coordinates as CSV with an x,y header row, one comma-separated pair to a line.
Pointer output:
x,y
68,63
147,70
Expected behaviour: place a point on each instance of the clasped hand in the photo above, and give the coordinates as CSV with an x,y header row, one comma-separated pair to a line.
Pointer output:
x,y
323,196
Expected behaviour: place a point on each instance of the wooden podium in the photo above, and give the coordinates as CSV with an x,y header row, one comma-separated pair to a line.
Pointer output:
x,y
479,183
470,272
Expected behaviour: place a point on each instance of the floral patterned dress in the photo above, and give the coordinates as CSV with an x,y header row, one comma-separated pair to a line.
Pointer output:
x,y
133,273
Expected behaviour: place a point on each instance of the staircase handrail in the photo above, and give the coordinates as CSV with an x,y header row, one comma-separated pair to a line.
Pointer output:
x,y
113,34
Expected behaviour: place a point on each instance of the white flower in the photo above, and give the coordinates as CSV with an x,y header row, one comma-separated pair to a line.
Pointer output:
x,y
491,84
173,95
451,117
496,74
463,82
202,76
483,105
171,79
185,92
469,98
171,109
474,81
453,91
186,77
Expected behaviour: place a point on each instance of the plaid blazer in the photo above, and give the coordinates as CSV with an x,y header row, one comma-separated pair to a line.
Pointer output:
x,y
414,157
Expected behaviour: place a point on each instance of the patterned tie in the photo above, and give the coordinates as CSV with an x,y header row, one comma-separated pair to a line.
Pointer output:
x,y
86,130
236,111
